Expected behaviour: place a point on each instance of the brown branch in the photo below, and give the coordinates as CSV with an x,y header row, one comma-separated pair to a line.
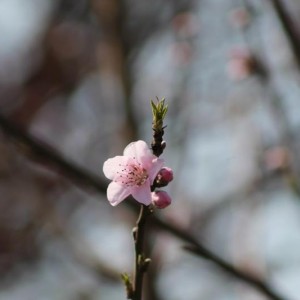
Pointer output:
x,y
112,19
34,148
288,172
43,153
141,262
255,282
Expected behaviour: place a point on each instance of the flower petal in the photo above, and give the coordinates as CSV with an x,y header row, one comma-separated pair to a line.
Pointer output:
x,y
142,193
156,166
138,150
113,165
116,193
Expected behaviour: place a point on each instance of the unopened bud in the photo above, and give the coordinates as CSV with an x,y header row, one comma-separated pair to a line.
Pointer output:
x,y
161,199
164,176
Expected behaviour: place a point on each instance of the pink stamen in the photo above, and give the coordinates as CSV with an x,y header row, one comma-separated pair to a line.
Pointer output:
x,y
132,175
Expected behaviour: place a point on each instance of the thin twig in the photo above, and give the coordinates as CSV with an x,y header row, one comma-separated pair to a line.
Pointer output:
x,y
34,148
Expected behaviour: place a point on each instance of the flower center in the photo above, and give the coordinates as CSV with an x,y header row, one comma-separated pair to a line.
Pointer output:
x,y
132,175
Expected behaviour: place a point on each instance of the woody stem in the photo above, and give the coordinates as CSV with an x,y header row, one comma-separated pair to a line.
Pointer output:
x,y
140,264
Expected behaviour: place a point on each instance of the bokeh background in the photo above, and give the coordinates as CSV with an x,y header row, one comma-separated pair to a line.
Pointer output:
x,y
78,76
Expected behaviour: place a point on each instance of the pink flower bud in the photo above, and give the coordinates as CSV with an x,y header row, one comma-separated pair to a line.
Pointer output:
x,y
161,199
164,176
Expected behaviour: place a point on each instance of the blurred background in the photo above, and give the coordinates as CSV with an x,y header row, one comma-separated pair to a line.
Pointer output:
x,y
79,76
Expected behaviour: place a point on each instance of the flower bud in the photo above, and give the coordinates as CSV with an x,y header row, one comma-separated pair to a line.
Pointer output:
x,y
161,199
164,176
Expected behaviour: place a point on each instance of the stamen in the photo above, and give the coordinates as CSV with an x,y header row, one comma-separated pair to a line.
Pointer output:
x,y
132,175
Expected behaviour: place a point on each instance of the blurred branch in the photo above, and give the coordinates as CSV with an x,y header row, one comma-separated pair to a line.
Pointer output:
x,y
277,103
288,28
276,106
35,149
148,23
41,152
255,282
112,19
81,253
197,248
126,69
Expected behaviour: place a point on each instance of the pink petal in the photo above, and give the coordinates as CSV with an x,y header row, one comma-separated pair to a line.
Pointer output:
x,y
157,164
116,193
139,150
113,165
142,193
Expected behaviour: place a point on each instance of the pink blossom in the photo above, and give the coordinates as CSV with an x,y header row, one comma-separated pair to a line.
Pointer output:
x,y
132,174
161,199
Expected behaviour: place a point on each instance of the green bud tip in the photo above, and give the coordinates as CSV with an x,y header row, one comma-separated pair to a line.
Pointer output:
x,y
159,111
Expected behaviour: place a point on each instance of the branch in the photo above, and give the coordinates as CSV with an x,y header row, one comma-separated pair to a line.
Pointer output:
x,y
288,28
255,282
34,148
43,153
141,262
